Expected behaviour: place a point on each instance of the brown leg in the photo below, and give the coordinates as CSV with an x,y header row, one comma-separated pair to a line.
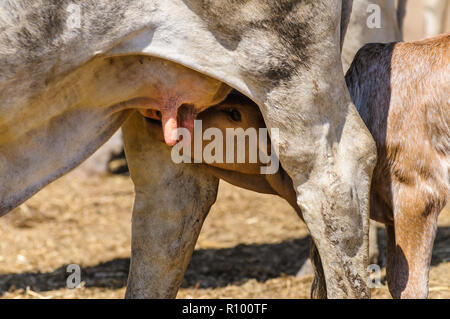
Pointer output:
x,y
390,253
409,246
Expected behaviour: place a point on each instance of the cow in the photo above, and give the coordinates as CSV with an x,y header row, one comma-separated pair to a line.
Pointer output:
x,y
73,72
388,82
358,34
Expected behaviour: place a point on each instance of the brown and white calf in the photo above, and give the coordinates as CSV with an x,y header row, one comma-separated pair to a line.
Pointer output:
x,y
401,91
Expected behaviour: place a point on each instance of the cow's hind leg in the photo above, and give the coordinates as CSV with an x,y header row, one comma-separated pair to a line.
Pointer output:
x,y
334,202
323,143
319,286
330,155
171,204
410,244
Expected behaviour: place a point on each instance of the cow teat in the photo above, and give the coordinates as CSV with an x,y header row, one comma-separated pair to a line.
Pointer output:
x,y
180,94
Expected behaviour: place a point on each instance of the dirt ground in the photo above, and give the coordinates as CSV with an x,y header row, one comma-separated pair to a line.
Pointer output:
x,y
251,245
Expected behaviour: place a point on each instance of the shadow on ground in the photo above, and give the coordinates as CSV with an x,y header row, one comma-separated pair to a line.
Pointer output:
x,y
209,268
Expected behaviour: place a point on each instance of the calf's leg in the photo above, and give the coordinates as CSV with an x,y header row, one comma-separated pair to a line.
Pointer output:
x,y
410,244
170,206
